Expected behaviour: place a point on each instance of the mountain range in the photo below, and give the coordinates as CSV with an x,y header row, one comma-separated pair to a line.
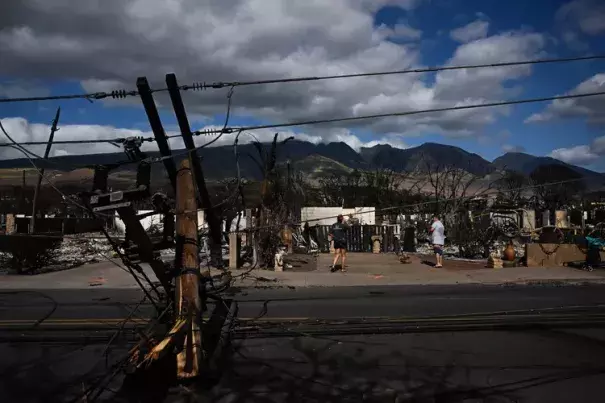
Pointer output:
x,y
316,160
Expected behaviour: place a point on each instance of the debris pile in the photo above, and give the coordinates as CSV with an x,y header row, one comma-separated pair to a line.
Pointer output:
x,y
63,254
427,249
77,251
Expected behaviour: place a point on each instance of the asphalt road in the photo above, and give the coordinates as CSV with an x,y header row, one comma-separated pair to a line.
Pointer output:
x,y
106,305
332,344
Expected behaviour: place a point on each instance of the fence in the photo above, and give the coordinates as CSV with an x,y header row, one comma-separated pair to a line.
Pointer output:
x,y
59,225
359,237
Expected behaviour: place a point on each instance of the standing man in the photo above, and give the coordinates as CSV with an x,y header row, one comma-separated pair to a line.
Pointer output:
x,y
438,238
339,236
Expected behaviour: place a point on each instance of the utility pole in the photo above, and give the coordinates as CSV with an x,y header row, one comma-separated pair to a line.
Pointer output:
x,y
53,129
214,222
187,297
157,128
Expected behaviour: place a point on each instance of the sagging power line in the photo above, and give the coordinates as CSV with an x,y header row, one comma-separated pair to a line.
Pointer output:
x,y
122,93
395,114
228,130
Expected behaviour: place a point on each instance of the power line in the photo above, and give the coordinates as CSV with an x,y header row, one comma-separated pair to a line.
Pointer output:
x,y
120,94
28,154
394,114
228,130
115,141
90,96
413,205
397,72
420,204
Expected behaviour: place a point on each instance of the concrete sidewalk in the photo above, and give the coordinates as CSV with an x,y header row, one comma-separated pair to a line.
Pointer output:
x,y
385,269
363,270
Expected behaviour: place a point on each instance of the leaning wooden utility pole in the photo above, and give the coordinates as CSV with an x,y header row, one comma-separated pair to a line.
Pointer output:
x,y
187,298
214,221
53,129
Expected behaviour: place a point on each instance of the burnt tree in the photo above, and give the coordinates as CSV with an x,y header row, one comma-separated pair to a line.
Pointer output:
x,y
555,186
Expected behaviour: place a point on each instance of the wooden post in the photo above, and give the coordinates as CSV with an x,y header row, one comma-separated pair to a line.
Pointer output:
x,y
10,223
234,250
188,301
53,129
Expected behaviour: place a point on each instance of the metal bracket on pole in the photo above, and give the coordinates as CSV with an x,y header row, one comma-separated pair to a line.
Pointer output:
x,y
157,128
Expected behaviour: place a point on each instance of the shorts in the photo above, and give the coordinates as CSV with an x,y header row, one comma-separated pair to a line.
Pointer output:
x,y
340,244
438,249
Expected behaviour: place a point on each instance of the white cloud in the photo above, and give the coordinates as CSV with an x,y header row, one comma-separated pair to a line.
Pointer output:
x,y
108,44
402,30
23,131
591,108
582,154
575,155
573,41
598,145
488,83
586,15
470,32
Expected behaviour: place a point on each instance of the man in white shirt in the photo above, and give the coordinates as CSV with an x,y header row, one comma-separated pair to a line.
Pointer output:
x,y
438,238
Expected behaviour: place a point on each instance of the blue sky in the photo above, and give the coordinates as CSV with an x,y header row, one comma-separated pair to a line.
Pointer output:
x,y
285,42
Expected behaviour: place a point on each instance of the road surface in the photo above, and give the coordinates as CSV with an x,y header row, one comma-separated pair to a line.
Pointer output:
x,y
331,344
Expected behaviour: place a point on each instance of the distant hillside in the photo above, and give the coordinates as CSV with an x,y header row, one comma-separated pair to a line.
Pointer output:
x,y
218,162
316,160
526,163
416,158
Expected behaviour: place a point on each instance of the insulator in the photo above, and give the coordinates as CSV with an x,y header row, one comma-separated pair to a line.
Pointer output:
x,y
121,94
205,132
196,87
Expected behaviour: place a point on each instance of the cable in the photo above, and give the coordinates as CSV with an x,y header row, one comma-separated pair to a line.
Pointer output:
x,y
396,72
119,365
229,130
118,94
91,96
107,236
223,130
95,141
26,153
405,113
389,208
47,315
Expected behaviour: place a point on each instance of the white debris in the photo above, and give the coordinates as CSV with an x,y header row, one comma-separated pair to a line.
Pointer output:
x,y
71,252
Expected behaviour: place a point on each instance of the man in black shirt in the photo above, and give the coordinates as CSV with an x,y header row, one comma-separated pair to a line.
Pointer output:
x,y
339,236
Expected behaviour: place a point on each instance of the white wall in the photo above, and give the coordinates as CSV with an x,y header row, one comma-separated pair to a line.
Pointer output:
x,y
529,219
146,222
201,222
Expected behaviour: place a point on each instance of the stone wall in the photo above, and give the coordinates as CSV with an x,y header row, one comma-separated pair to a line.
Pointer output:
x,y
548,254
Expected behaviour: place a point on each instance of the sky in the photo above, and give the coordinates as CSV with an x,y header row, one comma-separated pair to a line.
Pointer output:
x,y
73,46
